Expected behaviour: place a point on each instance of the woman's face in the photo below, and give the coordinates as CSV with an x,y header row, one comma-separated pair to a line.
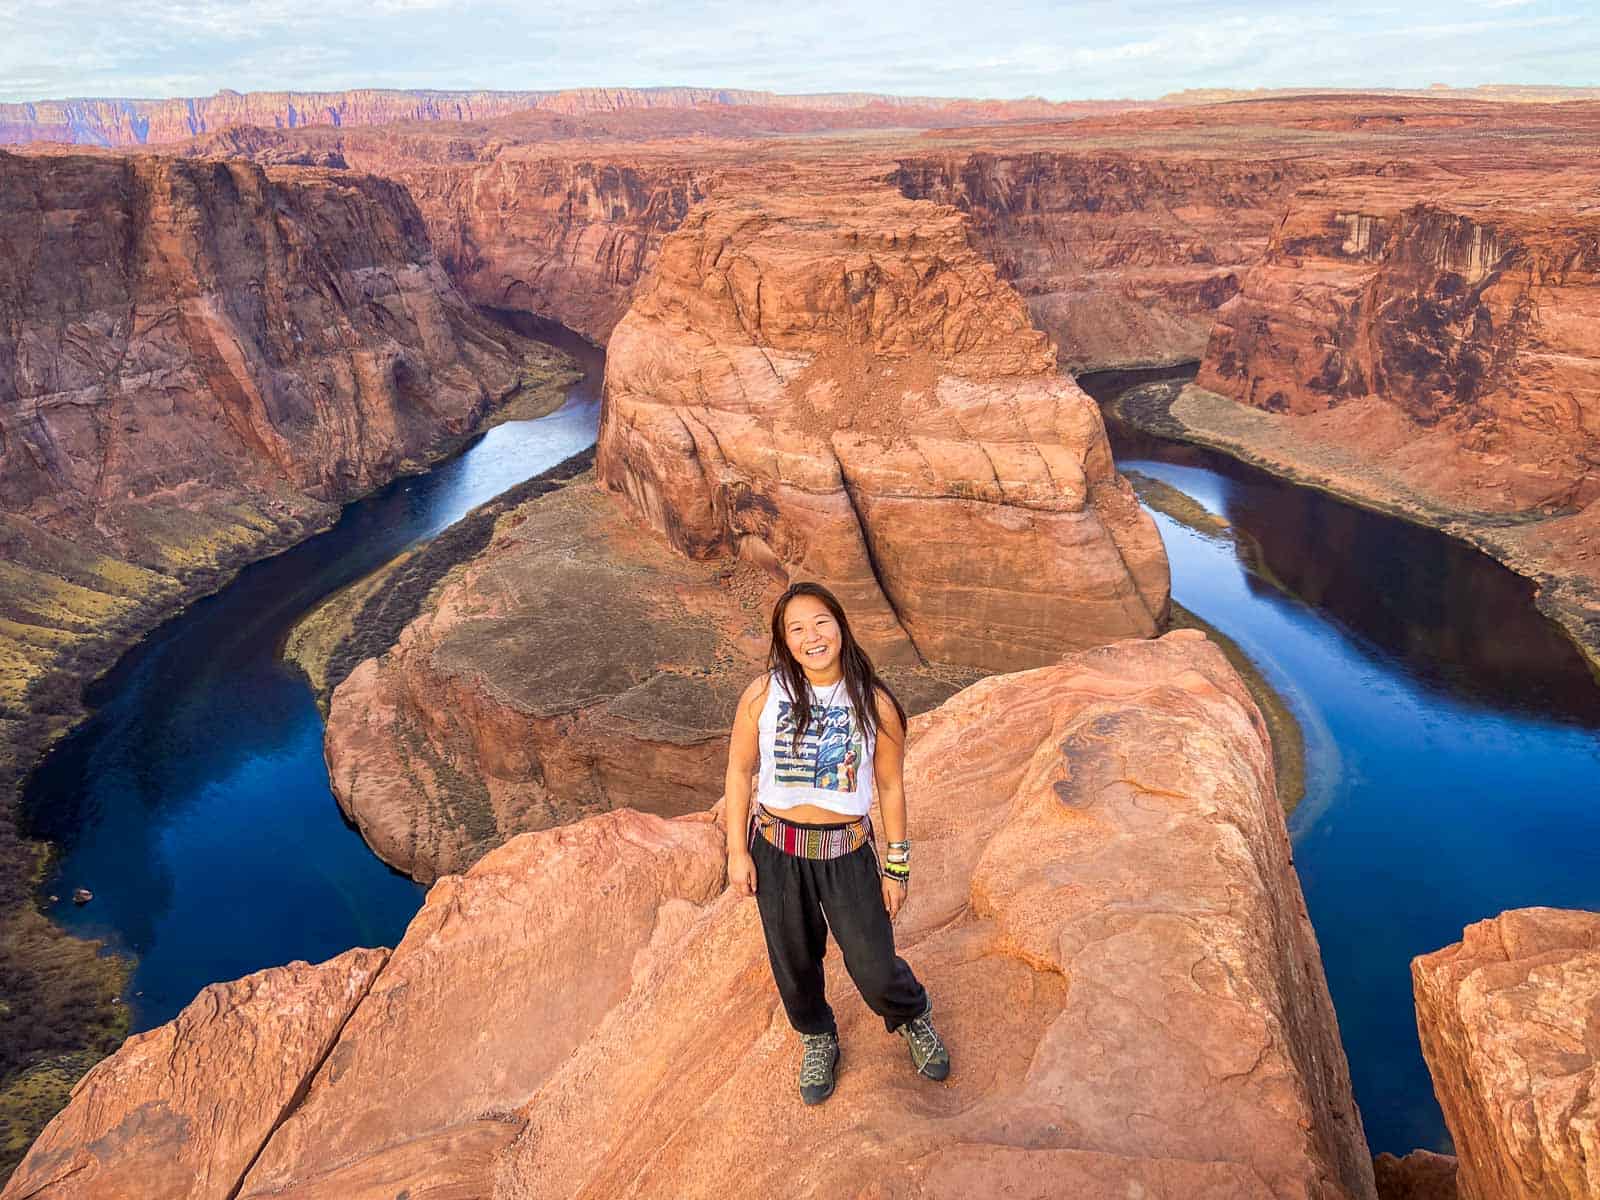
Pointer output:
x,y
812,636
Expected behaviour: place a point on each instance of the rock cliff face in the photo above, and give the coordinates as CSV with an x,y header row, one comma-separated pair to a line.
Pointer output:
x,y
563,237
586,1012
1509,1019
1468,305
833,383
197,361
1427,341
1123,257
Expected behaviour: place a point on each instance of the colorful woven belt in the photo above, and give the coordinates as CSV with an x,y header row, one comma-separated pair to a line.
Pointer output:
x,y
833,842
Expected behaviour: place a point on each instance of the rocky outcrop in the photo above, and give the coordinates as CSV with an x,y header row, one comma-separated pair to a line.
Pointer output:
x,y
1104,912
1123,258
184,1109
832,382
1420,1175
1509,1019
1425,343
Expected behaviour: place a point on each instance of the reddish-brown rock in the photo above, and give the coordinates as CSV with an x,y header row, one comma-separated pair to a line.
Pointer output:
x,y
183,1110
577,664
1123,258
1469,305
832,383
105,122
1104,912
1420,1175
198,360
1509,1019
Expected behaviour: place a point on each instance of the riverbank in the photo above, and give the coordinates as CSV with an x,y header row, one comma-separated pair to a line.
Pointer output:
x,y
1188,413
62,993
363,620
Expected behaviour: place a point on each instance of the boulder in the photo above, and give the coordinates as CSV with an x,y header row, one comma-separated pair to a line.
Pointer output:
x,y
1509,1019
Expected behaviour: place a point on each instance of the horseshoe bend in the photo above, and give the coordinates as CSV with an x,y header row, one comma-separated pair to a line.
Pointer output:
x,y
843,357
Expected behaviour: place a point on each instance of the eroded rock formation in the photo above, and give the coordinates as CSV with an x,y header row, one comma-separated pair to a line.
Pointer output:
x,y
1509,1019
198,360
1123,258
832,382
1104,911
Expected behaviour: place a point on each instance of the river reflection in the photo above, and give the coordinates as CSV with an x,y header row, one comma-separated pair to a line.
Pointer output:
x,y
1452,739
195,802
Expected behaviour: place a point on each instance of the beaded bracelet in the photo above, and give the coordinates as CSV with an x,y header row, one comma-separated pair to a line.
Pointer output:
x,y
899,872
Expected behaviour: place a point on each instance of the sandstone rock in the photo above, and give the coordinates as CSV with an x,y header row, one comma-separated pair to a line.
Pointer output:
x,y
199,360
1123,257
105,122
832,383
181,1111
1509,1019
1468,305
576,665
1104,912
1420,1175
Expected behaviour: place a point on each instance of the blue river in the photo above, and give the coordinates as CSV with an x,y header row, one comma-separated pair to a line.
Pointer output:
x,y
195,804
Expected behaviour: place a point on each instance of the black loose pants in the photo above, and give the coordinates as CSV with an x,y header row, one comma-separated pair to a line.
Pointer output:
x,y
800,900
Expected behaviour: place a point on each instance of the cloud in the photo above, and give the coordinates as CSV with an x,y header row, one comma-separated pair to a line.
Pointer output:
x,y
1089,48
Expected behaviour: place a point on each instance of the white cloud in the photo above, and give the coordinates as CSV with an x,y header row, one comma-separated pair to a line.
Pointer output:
x,y
940,47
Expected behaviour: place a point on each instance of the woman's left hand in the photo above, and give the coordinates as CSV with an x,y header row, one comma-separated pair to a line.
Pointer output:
x,y
894,895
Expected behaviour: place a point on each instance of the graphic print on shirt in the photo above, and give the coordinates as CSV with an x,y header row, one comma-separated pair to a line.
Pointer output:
x,y
828,756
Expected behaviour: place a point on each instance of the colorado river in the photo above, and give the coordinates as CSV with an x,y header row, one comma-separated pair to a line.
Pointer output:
x,y
194,804
1452,738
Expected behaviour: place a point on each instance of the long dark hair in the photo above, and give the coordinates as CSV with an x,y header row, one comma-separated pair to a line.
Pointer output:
x,y
861,679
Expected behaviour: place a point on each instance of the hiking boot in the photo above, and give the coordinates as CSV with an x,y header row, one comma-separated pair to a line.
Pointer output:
x,y
817,1066
928,1054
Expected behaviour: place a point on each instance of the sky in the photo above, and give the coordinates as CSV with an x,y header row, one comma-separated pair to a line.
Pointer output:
x,y
1137,49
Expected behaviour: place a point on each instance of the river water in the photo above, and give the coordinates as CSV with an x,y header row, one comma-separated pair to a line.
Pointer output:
x,y
195,805
1452,738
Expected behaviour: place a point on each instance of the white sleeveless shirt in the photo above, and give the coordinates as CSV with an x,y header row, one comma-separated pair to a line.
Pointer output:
x,y
831,767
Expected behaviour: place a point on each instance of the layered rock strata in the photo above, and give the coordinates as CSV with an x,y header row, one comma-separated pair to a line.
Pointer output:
x,y
1426,341
1509,1019
197,361
834,384
1123,258
1104,912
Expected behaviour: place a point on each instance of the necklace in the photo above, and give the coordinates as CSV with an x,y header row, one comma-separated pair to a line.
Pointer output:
x,y
833,693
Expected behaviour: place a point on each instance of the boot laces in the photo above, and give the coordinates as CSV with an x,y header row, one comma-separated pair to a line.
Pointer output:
x,y
818,1059
923,1037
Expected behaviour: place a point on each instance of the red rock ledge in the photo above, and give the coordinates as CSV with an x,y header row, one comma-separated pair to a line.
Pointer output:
x,y
1104,911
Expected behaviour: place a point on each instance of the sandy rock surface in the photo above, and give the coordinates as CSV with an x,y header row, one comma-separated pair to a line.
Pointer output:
x,y
1104,913
833,384
1509,1019
183,1109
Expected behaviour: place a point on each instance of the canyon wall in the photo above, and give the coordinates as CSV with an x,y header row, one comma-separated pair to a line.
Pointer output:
x,y
198,360
1123,257
830,382
1471,305
588,1012
1509,1019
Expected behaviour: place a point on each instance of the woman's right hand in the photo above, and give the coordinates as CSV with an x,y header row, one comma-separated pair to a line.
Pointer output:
x,y
742,873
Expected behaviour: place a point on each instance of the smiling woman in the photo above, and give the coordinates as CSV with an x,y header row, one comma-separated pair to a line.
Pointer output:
x,y
826,734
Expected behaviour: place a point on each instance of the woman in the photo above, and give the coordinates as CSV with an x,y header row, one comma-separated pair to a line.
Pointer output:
x,y
826,733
